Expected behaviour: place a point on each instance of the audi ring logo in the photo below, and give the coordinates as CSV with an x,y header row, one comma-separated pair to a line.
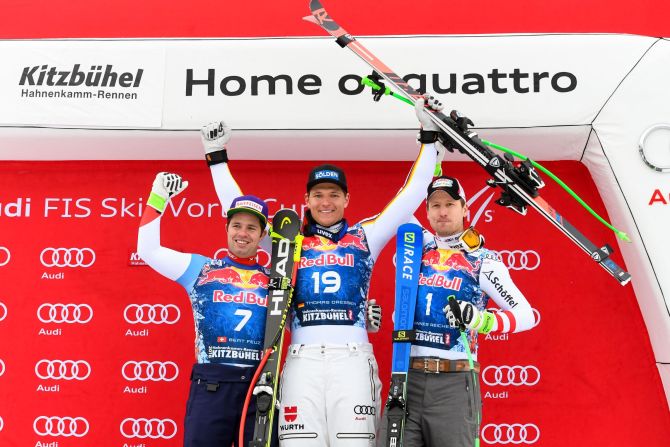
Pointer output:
x,y
154,371
2,367
2,424
151,313
365,409
520,259
538,317
510,433
5,256
660,145
61,426
63,369
64,313
511,375
67,257
148,428
3,311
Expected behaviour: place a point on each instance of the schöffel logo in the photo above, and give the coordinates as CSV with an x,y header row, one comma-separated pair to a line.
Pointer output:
x,y
510,434
151,314
65,426
505,375
67,257
150,371
64,313
63,369
326,174
74,76
148,428
5,256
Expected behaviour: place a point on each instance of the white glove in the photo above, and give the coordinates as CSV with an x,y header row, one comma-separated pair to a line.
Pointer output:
x,y
166,185
424,117
472,318
214,136
374,314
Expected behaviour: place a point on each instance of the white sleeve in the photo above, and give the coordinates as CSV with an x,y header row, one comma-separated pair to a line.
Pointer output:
x,y
169,263
516,315
224,184
382,227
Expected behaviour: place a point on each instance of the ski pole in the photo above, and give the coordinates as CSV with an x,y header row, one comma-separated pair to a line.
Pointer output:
x,y
620,234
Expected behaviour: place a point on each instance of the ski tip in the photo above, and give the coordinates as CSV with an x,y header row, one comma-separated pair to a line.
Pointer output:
x,y
310,19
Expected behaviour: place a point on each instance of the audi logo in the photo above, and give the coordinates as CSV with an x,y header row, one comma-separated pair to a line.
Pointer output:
x,y
148,428
520,259
64,313
510,433
2,367
262,256
538,317
61,426
3,311
365,409
154,371
5,256
2,424
63,369
67,257
511,375
151,313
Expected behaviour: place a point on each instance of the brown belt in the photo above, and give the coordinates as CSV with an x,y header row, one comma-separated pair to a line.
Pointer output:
x,y
436,366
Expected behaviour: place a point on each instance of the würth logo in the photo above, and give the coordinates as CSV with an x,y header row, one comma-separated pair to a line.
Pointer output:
x,y
95,76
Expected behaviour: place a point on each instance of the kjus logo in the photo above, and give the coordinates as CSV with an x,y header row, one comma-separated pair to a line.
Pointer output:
x,y
153,371
656,145
510,433
511,375
63,369
263,256
5,256
151,314
64,313
148,428
67,257
365,409
520,259
3,311
61,426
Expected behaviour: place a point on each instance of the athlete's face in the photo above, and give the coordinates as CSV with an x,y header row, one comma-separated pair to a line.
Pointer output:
x,y
326,202
244,234
445,214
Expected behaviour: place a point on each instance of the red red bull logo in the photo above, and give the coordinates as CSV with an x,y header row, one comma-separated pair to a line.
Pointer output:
x,y
248,279
328,259
219,296
443,260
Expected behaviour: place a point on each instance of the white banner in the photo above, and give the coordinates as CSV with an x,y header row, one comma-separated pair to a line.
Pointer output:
x,y
82,83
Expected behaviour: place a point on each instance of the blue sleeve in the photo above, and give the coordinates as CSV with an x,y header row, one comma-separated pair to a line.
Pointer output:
x,y
187,279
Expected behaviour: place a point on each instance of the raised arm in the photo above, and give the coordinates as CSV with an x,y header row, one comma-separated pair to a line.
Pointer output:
x,y
169,263
214,137
382,227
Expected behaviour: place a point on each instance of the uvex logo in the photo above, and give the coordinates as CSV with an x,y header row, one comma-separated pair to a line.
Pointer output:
x,y
95,76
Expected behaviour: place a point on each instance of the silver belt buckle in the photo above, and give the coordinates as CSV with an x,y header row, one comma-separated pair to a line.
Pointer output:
x,y
426,361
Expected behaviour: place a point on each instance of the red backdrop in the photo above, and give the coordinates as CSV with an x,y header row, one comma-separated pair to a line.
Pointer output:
x,y
584,376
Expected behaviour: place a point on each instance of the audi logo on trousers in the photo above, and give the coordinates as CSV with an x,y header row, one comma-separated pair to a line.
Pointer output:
x,y
365,409
63,369
148,428
60,426
64,313
151,313
520,259
511,375
3,311
67,257
153,371
510,433
5,256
